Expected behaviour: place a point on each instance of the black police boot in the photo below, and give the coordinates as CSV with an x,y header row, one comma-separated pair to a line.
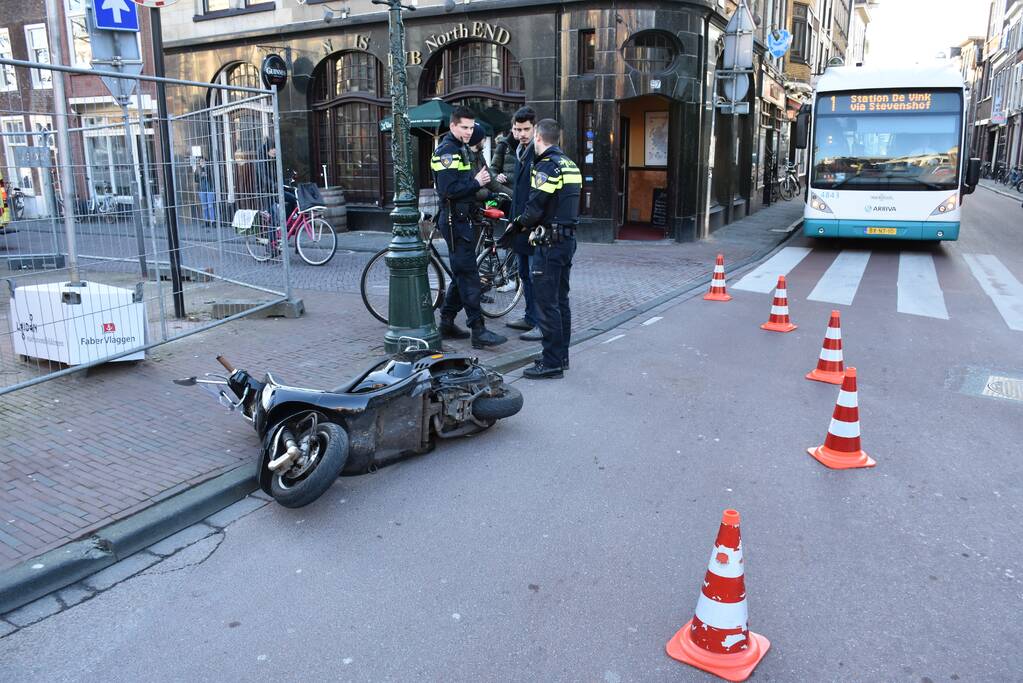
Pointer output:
x,y
449,330
482,337
541,371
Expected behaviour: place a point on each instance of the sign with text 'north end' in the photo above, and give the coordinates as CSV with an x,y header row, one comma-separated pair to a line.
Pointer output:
x,y
889,102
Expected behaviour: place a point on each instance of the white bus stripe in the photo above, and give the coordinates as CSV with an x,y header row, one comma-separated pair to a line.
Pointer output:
x,y
839,284
1001,285
765,276
919,290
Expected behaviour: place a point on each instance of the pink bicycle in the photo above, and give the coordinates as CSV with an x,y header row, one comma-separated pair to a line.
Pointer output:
x,y
315,239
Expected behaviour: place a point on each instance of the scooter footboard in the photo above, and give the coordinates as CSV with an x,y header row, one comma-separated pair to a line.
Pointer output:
x,y
396,429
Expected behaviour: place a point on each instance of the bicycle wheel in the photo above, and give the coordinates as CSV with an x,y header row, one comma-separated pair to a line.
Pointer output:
x,y
375,285
787,190
500,285
257,240
316,242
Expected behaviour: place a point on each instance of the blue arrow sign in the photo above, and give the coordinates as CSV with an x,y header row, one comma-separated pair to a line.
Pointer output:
x,y
778,42
116,15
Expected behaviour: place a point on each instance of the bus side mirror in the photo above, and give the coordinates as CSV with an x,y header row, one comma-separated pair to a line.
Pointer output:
x,y
803,126
972,176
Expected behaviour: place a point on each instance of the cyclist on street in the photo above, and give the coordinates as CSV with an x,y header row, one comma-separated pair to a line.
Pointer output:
x,y
456,190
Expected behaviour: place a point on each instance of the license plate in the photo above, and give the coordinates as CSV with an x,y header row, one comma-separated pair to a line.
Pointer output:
x,y
882,231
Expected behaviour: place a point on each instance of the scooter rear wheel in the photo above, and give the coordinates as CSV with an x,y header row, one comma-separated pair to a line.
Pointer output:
x,y
498,407
328,454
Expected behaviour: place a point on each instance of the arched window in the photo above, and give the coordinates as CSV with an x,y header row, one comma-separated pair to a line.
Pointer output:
x,y
240,132
650,51
474,73
350,95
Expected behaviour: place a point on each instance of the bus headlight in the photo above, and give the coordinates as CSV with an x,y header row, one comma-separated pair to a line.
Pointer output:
x,y
948,205
818,205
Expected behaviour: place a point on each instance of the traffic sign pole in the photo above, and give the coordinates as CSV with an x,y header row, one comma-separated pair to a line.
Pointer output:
x,y
56,34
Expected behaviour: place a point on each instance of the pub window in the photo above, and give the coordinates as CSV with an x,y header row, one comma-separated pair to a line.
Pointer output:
x,y
350,96
587,133
587,51
239,135
473,66
650,52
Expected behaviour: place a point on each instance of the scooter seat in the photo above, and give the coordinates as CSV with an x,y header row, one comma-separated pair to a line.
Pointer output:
x,y
397,371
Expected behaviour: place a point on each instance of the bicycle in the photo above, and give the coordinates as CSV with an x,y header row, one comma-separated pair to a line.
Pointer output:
x,y
501,288
312,233
17,203
104,205
788,186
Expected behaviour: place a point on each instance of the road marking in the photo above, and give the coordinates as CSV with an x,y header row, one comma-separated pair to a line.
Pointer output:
x,y
765,276
919,290
653,320
614,338
1000,285
839,283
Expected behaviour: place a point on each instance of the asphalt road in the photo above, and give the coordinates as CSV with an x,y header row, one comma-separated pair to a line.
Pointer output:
x,y
570,542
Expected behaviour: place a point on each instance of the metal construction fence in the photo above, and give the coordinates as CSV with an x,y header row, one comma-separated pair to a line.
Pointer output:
x,y
100,259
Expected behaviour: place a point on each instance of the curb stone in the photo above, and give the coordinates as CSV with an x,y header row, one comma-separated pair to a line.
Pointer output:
x,y
77,560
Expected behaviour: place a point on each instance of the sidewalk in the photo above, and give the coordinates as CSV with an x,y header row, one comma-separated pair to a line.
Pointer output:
x,y
1003,190
83,452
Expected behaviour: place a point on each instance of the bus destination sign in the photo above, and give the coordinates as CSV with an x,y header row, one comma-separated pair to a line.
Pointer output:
x,y
883,102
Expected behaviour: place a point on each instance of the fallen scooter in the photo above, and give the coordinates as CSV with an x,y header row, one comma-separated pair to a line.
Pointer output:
x,y
398,407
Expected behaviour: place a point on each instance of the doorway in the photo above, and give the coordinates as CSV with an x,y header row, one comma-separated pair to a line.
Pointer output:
x,y
644,156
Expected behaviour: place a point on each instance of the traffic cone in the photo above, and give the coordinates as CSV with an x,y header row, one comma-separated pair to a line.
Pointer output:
x,y
829,365
779,320
841,449
717,284
717,639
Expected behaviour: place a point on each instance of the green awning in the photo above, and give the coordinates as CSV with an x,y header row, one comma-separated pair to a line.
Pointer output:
x,y
432,116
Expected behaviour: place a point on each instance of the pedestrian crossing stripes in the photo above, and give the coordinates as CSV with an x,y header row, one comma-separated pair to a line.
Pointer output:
x,y
998,283
765,276
918,289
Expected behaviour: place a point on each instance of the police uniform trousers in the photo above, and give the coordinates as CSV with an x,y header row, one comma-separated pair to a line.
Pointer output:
x,y
465,291
552,268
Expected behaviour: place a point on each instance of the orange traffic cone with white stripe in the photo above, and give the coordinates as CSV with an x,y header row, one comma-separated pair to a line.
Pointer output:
x,y
841,449
717,639
779,320
829,365
717,283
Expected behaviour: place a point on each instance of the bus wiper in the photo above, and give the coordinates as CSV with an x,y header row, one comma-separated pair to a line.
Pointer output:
x,y
845,180
926,183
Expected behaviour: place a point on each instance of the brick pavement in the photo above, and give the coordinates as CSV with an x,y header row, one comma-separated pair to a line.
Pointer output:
x,y
84,451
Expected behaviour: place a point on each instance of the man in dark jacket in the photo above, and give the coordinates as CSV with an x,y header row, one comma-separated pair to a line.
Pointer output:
x,y
456,190
523,124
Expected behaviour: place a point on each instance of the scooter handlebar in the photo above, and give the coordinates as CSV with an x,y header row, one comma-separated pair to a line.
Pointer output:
x,y
226,363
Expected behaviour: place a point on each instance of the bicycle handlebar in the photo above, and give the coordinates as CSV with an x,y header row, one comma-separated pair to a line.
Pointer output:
x,y
226,363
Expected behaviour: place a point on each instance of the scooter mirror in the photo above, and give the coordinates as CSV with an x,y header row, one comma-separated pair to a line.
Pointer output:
x,y
186,381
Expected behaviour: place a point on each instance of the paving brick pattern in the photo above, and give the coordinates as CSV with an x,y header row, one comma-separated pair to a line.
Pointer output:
x,y
81,452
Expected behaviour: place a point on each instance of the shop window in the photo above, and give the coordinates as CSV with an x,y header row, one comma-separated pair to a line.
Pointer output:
x,y
14,128
587,51
473,66
8,76
240,133
350,96
587,135
650,52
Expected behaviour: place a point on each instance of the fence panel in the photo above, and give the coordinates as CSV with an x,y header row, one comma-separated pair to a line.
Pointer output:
x,y
224,216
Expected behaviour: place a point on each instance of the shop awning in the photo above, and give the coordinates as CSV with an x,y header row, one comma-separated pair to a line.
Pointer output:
x,y
433,117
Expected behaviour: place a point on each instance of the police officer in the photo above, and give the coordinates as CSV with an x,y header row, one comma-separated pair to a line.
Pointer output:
x,y
456,189
552,213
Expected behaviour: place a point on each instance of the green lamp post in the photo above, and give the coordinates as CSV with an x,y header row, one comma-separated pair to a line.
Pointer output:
x,y
410,305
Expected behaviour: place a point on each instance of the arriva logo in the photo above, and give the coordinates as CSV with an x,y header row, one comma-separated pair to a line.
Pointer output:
x,y
871,209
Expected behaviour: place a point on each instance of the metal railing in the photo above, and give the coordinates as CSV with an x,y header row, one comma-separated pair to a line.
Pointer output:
x,y
132,268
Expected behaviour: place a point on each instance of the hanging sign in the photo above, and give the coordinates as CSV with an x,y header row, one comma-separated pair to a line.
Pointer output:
x,y
274,71
778,42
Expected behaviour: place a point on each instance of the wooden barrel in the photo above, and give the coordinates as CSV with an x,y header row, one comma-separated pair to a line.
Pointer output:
x,y
337,208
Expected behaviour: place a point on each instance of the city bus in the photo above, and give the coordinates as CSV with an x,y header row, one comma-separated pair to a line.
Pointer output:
x,y
886,154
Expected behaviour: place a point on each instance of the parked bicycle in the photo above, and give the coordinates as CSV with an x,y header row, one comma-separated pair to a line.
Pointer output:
x,y
315,239
104,204
498,269
17,203
786,186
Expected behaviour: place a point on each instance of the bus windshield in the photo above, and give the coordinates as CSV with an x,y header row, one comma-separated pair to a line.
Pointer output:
x,y
901,140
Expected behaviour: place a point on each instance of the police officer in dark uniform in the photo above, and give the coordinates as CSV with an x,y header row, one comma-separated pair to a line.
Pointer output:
x,y
552,213
456,190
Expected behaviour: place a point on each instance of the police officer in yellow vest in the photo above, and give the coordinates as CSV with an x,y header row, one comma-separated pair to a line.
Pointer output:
x,y
456,189
552,213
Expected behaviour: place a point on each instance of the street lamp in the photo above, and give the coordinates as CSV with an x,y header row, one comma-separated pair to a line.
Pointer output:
x,y
410,305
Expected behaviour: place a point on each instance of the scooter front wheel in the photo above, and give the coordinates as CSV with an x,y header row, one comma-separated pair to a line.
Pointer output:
x,y
498,407
309,477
